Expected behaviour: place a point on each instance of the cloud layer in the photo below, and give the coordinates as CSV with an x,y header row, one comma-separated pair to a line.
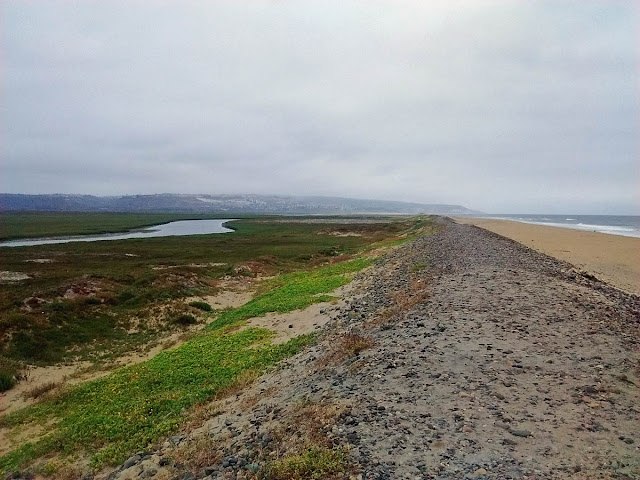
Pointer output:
x,y
501,106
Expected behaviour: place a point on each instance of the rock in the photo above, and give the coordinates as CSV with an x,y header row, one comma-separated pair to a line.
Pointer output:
x,y
131,462
211,470
481,472
520,433
151,472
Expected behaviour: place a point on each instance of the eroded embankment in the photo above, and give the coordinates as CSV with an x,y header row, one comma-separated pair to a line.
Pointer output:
x,y
462,355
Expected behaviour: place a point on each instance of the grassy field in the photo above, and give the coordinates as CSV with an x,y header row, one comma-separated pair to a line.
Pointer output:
x,y
53,224
133,407
119,279
111,417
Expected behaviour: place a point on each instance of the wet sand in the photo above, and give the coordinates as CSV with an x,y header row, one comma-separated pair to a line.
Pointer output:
x,y
612,258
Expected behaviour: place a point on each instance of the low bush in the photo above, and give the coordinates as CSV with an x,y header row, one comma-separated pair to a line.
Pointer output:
x,y
313,464
7,381
204,306
184,319
39,390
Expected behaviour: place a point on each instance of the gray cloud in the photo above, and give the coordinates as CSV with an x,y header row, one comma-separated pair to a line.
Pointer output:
x,y
501,106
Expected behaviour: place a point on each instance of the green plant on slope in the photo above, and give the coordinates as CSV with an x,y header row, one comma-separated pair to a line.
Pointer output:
x,y
294,291
313,464
137,405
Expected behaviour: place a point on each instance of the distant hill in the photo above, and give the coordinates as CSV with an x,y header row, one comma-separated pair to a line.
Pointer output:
x,y
254,204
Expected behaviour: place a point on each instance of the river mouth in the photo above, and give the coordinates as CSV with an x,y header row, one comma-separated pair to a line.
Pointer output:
x,y
171,229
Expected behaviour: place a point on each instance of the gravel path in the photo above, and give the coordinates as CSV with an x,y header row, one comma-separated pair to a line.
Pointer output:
x,y
488,360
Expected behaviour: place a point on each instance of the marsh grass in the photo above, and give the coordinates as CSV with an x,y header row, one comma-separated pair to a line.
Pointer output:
x,y
124,278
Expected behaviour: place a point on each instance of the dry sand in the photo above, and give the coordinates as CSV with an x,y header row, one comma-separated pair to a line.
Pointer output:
x,y
612,258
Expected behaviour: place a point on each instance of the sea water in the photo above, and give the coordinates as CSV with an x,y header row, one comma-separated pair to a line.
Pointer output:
x,y
627,225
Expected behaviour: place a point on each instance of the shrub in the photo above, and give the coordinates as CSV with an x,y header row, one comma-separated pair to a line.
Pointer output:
x,y
10,373
184,319
314,463
14,320
204,306
347,346
7,381
40,390
353,344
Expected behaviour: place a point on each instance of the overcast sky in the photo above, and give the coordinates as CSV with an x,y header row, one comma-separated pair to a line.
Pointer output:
x,y
502,106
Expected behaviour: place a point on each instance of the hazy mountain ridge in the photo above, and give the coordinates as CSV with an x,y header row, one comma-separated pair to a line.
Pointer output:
x,y
271,204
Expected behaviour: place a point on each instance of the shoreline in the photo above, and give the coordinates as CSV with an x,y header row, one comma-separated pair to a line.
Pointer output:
x,y
614,259
600,225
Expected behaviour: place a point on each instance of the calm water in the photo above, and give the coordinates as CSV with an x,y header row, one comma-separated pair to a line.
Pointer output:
x,y
182,227
627,225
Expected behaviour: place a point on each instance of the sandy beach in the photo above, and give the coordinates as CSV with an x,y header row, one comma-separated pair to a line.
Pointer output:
x,y
612,258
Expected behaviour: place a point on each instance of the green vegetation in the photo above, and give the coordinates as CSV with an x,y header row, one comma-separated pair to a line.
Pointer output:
x,y
7,381
314,463
418,266
137,405
117,280
204,306
88,294
184,319
53,224
9,371
294,291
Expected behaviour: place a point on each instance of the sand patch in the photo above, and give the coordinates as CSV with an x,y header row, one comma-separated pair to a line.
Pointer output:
x,y
345,234
19,436
190,265
6,276
300,322
612,258
15,398
225,299
292,324
40,260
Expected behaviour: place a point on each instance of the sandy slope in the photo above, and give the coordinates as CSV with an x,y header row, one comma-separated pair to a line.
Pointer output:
x,y
612,258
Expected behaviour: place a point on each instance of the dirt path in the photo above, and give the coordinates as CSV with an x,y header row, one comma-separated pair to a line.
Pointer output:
x,y
493,362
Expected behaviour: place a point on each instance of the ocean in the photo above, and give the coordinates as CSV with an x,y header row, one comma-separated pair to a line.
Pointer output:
x,y
627,225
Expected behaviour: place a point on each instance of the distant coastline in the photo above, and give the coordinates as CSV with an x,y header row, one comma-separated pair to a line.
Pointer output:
x,y
625,225
611,258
